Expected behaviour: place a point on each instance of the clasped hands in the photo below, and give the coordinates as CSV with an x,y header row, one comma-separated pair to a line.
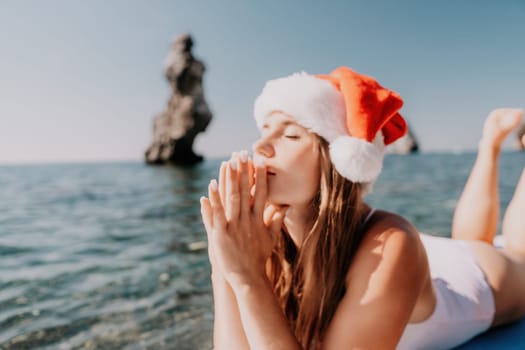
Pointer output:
x,y
240,224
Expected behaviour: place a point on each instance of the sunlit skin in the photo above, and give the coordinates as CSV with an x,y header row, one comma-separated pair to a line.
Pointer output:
x,y
241,221
291,155
391,283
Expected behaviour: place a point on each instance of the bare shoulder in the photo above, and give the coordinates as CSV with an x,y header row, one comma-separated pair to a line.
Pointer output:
x,y
388,236
383,283
385,224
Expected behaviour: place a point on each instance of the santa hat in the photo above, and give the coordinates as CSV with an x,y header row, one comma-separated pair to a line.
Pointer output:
x,y
351,111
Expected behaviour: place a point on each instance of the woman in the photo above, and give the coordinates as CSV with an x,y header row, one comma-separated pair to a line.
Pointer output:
x,y
300,261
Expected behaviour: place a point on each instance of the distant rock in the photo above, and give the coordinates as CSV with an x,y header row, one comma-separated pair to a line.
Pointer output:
x,y
187,112
406,145
520,141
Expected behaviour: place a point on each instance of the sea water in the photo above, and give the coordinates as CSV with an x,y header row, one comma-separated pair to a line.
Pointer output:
x,y
113,256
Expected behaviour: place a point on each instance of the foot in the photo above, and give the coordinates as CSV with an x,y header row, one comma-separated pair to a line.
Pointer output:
x,y
499,124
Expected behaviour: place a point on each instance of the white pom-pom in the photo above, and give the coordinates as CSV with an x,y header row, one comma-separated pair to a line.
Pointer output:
x,y
356,159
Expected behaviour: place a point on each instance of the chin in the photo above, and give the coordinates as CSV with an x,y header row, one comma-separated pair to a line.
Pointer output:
x,y
277,200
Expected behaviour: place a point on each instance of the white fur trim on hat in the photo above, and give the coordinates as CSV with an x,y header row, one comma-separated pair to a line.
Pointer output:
x,y
357,159
315,103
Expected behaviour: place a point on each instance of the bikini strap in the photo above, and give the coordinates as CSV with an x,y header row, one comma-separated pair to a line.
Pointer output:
x,y
370,213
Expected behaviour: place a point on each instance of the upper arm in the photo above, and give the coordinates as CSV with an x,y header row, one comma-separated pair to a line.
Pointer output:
x,y
384,282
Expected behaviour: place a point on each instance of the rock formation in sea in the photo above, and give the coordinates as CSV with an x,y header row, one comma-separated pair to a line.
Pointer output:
x,y
406,145
520,141
186,113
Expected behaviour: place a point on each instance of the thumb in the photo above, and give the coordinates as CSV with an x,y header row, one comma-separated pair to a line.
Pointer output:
x,y
268,213
277,223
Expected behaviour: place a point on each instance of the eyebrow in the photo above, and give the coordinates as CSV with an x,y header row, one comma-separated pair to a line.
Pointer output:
x,y
284,123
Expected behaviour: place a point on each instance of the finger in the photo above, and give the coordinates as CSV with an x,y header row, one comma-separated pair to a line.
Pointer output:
x,y
233,196
260,188
251,178
207,215
276,224
222,183
268,213
251,172
219,218
244,184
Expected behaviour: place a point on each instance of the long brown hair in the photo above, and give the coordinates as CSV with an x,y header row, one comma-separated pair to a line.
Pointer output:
x,y
310,282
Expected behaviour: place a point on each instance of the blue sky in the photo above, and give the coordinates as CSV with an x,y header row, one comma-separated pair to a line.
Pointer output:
x,y
82,80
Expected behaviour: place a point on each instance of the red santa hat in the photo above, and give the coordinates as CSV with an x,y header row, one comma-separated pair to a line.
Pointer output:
x,y
351,111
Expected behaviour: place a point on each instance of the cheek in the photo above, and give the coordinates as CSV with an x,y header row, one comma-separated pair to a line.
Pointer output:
x,y
309,176
307,160
311,170
301,182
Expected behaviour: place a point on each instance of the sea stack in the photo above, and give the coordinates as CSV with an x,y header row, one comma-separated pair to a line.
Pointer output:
x,y
186,113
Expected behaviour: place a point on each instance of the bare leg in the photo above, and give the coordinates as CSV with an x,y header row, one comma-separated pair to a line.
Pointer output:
x,y
477,212
514,221
505,268
505,272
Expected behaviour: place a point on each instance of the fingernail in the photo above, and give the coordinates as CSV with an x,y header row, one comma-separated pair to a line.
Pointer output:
x,y
244,156
259,162
213,185
233,164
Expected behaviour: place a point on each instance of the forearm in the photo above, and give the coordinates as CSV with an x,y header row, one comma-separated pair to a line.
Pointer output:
x,y
228,333
264,323
477,211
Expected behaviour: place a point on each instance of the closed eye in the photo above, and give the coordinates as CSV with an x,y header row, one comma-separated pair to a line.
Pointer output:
x,y
293,137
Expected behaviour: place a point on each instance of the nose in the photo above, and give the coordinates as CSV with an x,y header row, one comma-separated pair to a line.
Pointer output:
x,y
263,148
